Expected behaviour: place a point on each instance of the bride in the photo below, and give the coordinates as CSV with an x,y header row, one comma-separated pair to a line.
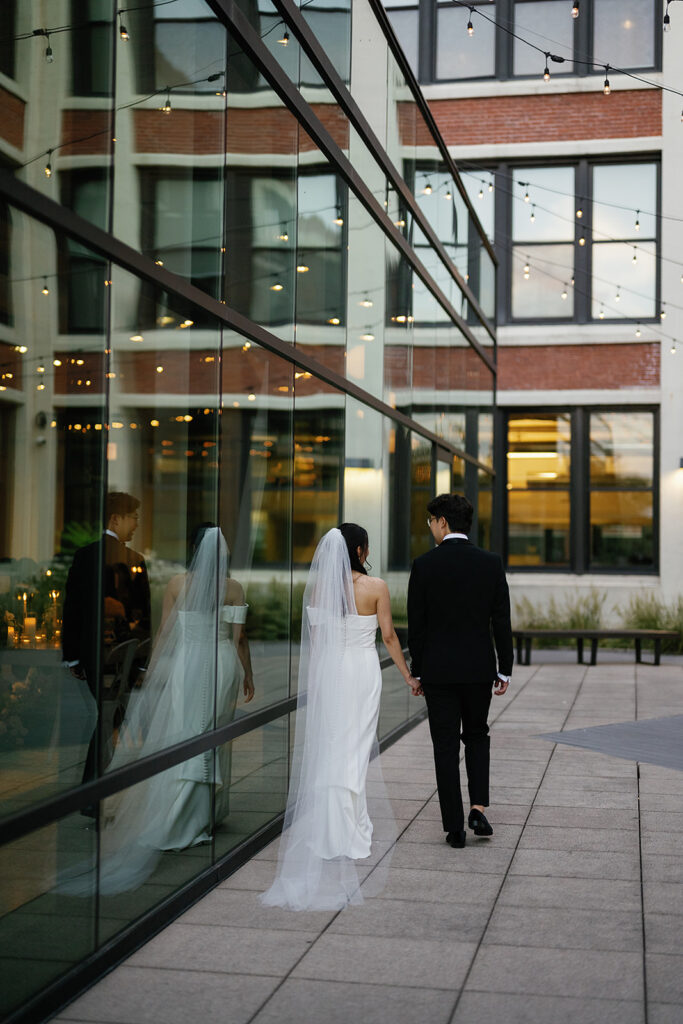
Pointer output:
x,y
191,686
327,825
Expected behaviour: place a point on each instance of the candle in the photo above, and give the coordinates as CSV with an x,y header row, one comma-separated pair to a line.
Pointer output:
x,y
30,629
24,600
10,636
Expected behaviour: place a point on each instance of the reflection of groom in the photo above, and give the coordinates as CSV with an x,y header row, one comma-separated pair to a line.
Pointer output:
x,y
458,596
107,599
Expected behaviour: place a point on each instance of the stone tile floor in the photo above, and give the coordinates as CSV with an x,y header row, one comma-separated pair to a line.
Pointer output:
x,y
573,911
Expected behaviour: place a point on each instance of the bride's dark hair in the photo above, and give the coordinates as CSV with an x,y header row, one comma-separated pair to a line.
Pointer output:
x,y
196,538
356,537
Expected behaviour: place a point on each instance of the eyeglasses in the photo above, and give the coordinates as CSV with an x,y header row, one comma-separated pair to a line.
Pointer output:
x,y
430,520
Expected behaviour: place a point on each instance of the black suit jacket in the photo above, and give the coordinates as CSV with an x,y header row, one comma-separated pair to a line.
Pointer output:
x,y
105,568
458,607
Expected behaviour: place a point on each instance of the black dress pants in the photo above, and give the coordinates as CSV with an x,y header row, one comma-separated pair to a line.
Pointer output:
x,y
454,711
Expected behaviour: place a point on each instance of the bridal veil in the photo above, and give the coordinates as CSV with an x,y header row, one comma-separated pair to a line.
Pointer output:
x,y
317,869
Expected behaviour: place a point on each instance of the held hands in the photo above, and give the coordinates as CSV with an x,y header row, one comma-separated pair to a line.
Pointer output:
x,y
500,686
416,686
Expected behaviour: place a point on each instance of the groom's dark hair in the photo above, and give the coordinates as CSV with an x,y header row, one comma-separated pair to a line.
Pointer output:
x,y
456,509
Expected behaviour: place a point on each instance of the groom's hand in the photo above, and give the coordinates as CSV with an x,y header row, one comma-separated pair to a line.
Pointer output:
x,y
500,686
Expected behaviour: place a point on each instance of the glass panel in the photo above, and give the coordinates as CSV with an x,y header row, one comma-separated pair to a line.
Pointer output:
x,y
538,451
625,27
635,291
538,528
405,25
543,204
318,464
484,509
621,529
330,20
421,492
252,778
485,438
541,281
621,452
42,933
52,412
558,30
458,54
616,186
480,185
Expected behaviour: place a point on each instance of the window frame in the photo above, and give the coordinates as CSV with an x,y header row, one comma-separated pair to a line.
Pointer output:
x,y
583,255
504,45
580,488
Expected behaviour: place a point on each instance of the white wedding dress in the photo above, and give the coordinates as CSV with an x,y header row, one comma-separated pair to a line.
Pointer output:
x,y
191,687
336,789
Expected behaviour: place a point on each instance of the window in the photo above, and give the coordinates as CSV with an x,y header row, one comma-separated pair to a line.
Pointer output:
x,y
438,43
581,490
8,21
84,274
584,239
171,42
5,285
91,47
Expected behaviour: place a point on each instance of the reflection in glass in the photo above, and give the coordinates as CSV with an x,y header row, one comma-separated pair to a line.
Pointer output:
x,y
634,293
43,934
552,15
403,16
621,449
541,281
625,27
621,529
459,54
538,466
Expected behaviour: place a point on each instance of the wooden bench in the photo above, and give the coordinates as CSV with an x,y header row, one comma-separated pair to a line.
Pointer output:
x,y
524,638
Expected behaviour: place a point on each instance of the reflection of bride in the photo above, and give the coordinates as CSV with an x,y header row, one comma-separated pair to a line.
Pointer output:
x,y
191,686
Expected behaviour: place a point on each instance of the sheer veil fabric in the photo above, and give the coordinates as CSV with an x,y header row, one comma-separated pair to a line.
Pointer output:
x,y
177,700
328,826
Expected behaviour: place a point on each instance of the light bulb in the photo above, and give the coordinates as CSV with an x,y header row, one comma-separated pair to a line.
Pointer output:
x,y
602,313
366,302
546,73
579,213
526,196
532,218
564,293
673,348
606,87
284,40
638,331
526,271
123,33
575,9
49,55
667,22
427,190
662,315
481,193
470,28
448,195
45,290
490,186
48,165
635,255
617,297
167,105
582,240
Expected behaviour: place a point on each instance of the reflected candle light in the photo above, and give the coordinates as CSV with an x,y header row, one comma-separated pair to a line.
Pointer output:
x,y
30,629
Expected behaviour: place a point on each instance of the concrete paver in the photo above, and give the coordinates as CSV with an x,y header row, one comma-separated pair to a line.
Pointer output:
x,y
573,911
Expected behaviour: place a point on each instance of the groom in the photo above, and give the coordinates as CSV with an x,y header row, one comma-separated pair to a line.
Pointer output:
x,y
457,597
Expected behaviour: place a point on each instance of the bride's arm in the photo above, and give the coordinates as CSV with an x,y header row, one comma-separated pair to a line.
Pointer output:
x,y
389,637
241,641
173,588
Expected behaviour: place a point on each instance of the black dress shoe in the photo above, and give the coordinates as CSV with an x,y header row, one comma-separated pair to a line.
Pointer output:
x,y
479,824
457,839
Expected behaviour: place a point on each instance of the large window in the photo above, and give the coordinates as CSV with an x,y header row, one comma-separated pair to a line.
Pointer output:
x,y
576,241
581,490
448,42
91,46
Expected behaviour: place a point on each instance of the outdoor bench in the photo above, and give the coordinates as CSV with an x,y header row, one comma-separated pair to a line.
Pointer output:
x,y
525,637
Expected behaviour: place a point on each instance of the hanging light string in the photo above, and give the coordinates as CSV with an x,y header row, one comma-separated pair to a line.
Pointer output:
x,y
86,24
591,62
467,166
570,220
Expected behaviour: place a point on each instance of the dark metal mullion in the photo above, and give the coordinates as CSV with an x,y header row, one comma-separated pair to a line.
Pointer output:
x,y
505,10
583,254
232,17
57,217
579,493
324,67
426,53
424,108
583,34
503,237
499,484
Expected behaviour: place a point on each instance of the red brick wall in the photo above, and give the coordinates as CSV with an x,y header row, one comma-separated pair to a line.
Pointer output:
x,y
435,368
527,367
92,127
474,121
263,130
11,118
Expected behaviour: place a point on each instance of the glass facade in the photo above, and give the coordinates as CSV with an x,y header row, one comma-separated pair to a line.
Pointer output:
x,y
220,297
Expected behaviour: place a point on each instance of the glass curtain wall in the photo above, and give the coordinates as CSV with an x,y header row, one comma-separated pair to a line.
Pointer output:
x,y
248,346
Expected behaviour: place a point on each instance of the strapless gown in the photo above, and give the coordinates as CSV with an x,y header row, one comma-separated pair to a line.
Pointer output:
x,y
346,829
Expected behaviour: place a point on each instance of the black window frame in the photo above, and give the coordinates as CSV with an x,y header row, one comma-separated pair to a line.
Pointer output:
x,y
504,14
583,254
579,488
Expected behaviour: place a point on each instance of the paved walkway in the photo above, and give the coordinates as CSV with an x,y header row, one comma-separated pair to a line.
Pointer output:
x,y
574,911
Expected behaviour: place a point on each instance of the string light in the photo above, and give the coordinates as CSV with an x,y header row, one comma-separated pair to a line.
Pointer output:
x,y
490,186
48,165
45,290
427,190
526,195
662,315
579,213
637,223
366,302
481,193
532,218
277,287
283,236
673,347
635,255
617,297
339,219
448,195
667,19
546,70
575,9
123,31
49,55
284,39
166,109
470,26
526,271
601,314
606,88
582,240
638,330
302,268
565,293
